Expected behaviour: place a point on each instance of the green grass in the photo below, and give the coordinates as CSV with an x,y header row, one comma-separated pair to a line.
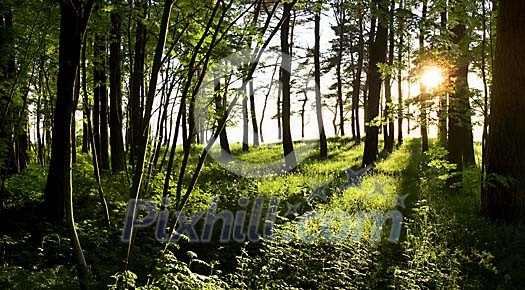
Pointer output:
x,y
445,243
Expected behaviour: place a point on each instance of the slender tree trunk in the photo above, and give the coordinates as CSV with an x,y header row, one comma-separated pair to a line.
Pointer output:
x,y
87,130
370,43
278,105
266,100
505,201
353,108
101,99
7,80
303,108
253,115
423,118
163,117
286,68
389,127
137,83
152,88
220,98
73,121
485,89
245,137
40,145
145,128
401,35
338,68
357,80
96,122
94,155
118,160
323,146
58,193
443,99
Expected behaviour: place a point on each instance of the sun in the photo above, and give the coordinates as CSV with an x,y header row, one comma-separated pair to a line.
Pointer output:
x,y
431,77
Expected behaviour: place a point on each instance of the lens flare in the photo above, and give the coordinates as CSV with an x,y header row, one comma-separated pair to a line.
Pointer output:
x,y
431,77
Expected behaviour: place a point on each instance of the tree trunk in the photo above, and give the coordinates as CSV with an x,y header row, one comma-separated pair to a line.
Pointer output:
x,y
286,68
261,135
13,155
400,105
485,89
245,137
423,122
323,146
73,121
338,68
220,103
278,105
118,160
58,192
377,55
87,131
145,124
253,115
137,83
505,156
389,117
357,80
101,100
443,98
58,180
152,89
460,144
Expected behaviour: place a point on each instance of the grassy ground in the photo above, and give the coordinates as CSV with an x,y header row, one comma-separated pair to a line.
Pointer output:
x,y
444,244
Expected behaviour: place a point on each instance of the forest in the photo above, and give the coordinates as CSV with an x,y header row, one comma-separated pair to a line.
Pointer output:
x,y
263,144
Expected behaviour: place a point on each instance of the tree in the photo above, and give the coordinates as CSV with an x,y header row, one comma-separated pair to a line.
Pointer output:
x,y
340,16
58,185
423,96
59,192
388,130
13,113
101,94
220,104
286,68
443,100
137,82
460,139
357,77
118,160
401,44
503,195
377,56
255,129
245,145
323,147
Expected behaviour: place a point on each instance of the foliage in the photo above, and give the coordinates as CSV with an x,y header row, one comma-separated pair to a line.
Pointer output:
x,y
445,244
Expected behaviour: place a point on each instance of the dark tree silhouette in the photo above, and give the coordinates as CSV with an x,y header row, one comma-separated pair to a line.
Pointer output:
x,y
323,147
505,201
460,139
286,67
118,159
377,56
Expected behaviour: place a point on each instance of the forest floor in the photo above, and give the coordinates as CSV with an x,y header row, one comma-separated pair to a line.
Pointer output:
x,y
444,242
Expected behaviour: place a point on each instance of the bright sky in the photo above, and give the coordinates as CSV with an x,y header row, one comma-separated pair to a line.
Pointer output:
x,y
304,38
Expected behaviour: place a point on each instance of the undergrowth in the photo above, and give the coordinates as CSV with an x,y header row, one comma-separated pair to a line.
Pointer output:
x,y
444,242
